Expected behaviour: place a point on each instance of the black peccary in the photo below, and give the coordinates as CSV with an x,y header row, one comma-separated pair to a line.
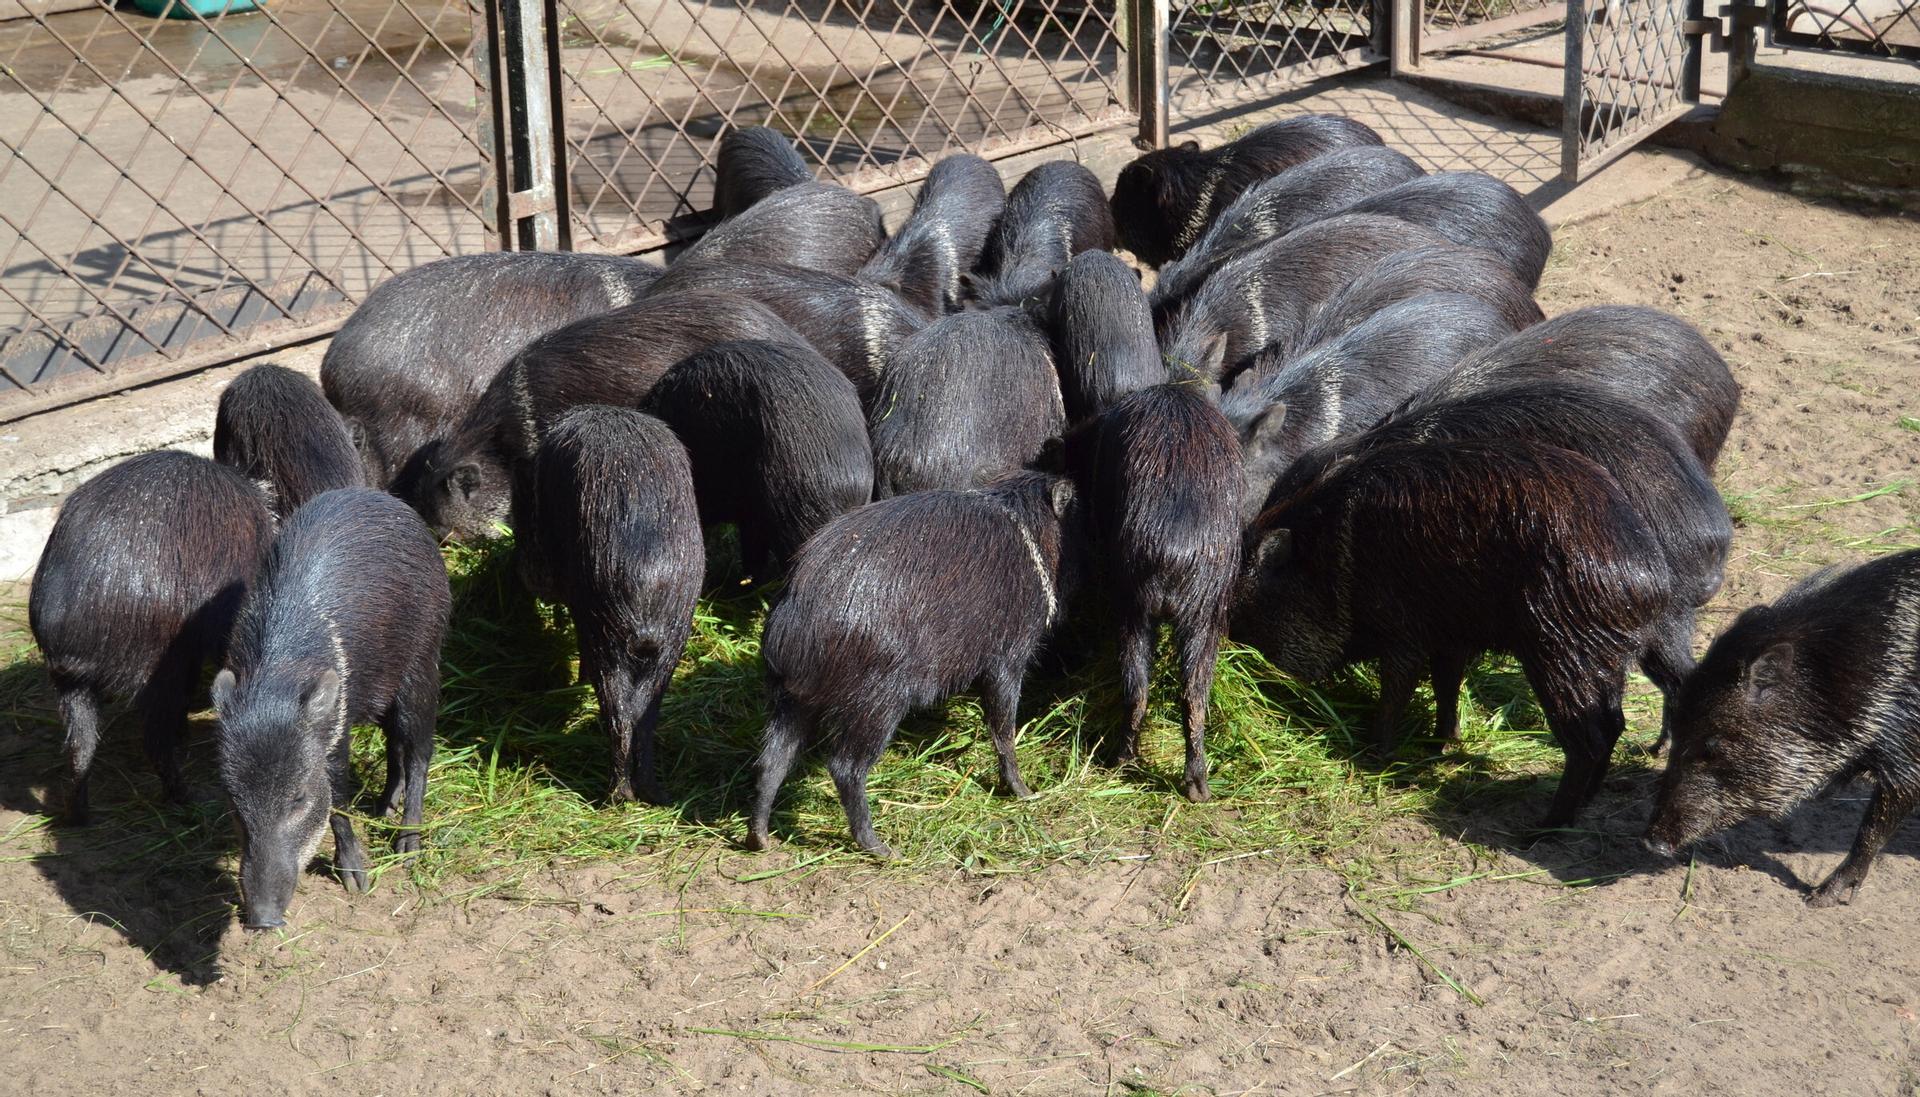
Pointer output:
x,y
777,438
941,240
465,483
1656,472
1643,356
417,353
1819,687
1166,483
857,326
1165,199
819,226
1282,407
277,429
343,627
619,531
901,604
752,163
1265,296
1424,556
1054,213
1305,192
138,585
1407,274
1103,342
973,396
1473,210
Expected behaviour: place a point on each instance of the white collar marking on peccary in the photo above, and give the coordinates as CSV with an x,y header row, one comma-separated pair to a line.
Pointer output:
x,y
618,295
340,670
1033,555
1903,652
1199,219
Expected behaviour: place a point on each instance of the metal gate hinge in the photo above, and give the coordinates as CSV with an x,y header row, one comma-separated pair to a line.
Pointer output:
x,y
527,203
1719,30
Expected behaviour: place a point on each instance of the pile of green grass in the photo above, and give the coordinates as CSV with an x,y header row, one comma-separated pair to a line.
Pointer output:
x,y
518,781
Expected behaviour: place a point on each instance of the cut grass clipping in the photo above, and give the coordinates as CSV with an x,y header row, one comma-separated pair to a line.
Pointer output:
x,y
519,778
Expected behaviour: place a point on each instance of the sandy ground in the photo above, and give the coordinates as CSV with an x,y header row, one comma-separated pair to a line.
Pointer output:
x,y
1574,967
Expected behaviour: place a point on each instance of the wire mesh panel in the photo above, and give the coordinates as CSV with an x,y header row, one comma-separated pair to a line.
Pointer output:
x,y
171,184
1448,22
1631,68
873,91
1882,28
1227,52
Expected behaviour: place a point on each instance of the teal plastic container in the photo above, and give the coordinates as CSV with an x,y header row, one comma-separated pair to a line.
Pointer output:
x,y
189,9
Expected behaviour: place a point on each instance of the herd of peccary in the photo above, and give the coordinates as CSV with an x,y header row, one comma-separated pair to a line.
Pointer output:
x,y
1337,428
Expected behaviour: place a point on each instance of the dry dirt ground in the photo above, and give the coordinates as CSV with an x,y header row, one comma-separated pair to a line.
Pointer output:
x,y
1572,967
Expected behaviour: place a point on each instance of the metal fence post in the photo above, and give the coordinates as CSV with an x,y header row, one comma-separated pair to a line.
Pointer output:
x,y
1147,75
534,202
489,127
1403,52
1574,99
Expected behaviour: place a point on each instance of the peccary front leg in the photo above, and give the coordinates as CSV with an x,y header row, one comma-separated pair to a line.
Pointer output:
x,y
1136,671
1587,733
1890,806
1667,662
1447,669
1199,644
789,727
1398,675
80,712
414,712
1000,699
163,711
348,856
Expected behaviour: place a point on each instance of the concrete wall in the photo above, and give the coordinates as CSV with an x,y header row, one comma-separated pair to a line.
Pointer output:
x,y
1835,123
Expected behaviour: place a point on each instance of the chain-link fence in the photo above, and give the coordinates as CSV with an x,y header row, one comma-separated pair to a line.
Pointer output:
x,y
1880,28
1444,23
1223,53
178,191
174,184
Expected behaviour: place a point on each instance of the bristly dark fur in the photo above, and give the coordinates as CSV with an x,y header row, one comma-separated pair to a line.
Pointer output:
x,y
1448,269
1307,191
343,627
900,604
1656,472
1265,297
467,482
1102,334
942,239
1282,407
752,163
777,439
856,325
137,587
619,531
818,226
1166,478
274,426
1424,556
1795,697
1165,199
974,397
1473,210
1055,212
416,354
1645,357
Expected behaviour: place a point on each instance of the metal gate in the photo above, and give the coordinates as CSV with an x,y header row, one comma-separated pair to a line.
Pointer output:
x,y
1225,53
1632,67
179,192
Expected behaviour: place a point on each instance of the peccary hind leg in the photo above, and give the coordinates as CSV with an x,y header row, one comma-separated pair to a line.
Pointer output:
x,y
1890,806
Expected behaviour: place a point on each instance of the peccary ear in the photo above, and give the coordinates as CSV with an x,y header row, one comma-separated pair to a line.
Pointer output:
x,y
464,480
323,696
1060,496
1769,671
1213,357
1267,428
223,684
1275,549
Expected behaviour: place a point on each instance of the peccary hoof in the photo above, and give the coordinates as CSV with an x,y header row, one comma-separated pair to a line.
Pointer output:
x,y
879,851
759,841
1018,789
355,879
1196,790
1833,893
407,841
